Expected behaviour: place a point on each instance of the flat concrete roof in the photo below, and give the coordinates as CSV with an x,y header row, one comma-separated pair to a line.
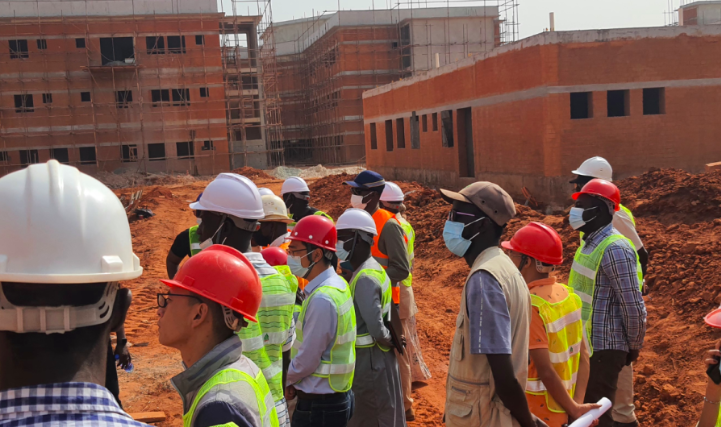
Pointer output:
x,y
700,3
557,37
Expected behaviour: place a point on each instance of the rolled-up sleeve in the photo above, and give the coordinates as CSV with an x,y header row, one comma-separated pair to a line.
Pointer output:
x,y
490,320
319,326
619,265
392,243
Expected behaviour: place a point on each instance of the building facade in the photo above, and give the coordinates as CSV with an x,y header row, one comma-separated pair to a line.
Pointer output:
x,y
528,113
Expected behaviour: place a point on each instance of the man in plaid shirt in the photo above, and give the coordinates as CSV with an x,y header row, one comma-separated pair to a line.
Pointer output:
x,y
65,246
606,275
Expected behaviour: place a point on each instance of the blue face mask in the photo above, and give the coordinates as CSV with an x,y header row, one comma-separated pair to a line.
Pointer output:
x,y
575,217
453,237
295,266
342,254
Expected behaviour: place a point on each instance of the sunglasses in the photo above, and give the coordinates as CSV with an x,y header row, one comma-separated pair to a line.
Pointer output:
x,y
163,298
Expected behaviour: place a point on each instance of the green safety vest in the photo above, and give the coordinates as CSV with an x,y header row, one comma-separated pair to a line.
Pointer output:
x,y
263,341
366,340
564,328
582,278
411,236
340,368
289,276
321,213
264,399
194,240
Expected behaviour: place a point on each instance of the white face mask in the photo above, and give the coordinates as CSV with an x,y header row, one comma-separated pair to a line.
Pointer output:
x,y
357,202
209,242
198,220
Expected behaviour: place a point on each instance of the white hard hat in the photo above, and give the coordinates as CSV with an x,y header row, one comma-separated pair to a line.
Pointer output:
x,y
265,192
597,167
294,184
357,219
275,210
231,194
60,226
392,193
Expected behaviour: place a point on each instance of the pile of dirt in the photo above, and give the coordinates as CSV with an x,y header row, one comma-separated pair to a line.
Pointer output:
x,y
253,173
139,179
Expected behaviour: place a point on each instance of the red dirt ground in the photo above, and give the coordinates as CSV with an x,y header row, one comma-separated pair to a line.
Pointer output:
x,y
678,217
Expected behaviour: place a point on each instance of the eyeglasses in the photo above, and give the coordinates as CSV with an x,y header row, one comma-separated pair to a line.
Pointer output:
x,y
163,298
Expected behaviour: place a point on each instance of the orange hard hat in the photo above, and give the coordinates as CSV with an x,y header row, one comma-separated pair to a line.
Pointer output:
x,y
539,241
224,275
275,256
316,230
602,188
713,319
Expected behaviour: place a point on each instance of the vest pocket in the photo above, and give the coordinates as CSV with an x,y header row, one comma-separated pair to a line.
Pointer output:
x,y
457,349
462,404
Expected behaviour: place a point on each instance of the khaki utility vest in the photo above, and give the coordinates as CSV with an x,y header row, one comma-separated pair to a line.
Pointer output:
x,y
471,398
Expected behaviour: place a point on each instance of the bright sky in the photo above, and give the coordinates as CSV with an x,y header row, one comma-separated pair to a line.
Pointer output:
x,y
532,15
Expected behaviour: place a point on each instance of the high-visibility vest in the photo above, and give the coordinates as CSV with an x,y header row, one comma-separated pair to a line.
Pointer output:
x,y
289,276
291,226
411,238
380,217
583,278
194,240
366,340
263,407
564,328
340,368
263,341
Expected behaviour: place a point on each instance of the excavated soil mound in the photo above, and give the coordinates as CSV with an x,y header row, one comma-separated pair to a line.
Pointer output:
x,y
253,173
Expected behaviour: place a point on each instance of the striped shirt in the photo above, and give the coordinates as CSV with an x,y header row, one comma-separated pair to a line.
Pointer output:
x,y
619,312
74,404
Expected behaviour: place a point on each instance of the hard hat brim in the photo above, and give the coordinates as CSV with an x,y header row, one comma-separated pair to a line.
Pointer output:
x,y
276,218
713,319
616,207
176,284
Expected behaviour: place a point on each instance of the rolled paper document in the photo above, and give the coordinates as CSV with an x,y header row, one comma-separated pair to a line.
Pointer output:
x,y
589,417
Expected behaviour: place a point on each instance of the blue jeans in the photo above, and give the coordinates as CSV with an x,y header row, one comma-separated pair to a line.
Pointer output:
x,y
334,411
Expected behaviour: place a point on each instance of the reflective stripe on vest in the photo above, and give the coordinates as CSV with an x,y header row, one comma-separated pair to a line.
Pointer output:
x,y
630,214
380,217
341,366
582,278
291,226
289,276
411,239
194,240
264,404
263,341
365,340
564,329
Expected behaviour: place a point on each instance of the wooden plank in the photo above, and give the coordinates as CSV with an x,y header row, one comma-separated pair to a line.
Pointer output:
x,y
149,417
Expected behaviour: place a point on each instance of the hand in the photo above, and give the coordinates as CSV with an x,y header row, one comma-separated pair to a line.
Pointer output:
x,y
632,356
123,353
582,409
290,393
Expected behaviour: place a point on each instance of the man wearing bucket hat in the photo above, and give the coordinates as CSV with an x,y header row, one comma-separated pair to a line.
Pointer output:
x,y
214,295
65,246
231,208
489,355
558,368
606,275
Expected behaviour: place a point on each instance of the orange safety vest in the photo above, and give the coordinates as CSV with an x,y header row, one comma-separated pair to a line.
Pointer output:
x,y
380,217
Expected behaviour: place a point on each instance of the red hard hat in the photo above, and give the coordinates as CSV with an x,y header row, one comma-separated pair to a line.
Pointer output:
x,y
316,230
275,256
713,319
602,188
538,241
224,275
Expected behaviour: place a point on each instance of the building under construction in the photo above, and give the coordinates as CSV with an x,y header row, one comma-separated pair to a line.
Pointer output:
x,y
325,62
137,85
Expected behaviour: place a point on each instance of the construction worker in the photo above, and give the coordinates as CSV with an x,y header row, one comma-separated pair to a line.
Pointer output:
x,y
391,252
214,295
65,246
376,386
296,195
230,210
323,364
274,225
489,355
392,201
710,414
187,243
597,167
606,275
558,368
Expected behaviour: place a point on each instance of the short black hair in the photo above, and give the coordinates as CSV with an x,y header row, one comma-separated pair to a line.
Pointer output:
x,y
327,255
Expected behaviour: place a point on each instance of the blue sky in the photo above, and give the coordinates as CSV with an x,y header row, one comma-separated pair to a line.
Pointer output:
x,y
533,14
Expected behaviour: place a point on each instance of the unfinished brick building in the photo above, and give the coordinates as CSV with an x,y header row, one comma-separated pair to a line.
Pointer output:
x,y
528,113
152,86
326,62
